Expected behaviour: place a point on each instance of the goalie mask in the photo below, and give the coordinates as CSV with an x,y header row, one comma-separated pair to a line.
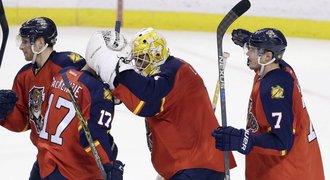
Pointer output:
x,y
149,50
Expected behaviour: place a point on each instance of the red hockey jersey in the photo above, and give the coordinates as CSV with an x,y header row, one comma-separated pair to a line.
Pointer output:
x,y
180,118
286,145
62,141
32,88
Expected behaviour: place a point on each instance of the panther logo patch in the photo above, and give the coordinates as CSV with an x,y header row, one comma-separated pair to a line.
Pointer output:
x,y
252,123
36,98
149,136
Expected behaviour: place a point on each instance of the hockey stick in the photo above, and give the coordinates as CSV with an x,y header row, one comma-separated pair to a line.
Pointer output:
x,y
217,87
117,26
117,29
5,31
239,9
84,126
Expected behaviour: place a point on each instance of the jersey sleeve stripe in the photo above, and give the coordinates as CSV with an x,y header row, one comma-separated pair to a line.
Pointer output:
x,y
162,106
269,151
138,107
96,143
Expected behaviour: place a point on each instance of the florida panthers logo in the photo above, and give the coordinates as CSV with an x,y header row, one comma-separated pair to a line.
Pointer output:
x,y
149,136
36,98
252,123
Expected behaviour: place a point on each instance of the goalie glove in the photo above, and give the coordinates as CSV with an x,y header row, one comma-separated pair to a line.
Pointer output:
x,y
103,52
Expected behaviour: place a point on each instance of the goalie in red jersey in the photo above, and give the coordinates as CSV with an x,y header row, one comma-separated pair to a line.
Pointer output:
x,y
23,107
280,140
172,96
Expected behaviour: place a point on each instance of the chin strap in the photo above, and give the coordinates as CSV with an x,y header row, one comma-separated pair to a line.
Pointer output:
x,y
36,53
261,71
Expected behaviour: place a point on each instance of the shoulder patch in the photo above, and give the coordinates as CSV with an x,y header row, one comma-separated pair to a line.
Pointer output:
x,y
277,92
75,57
107,94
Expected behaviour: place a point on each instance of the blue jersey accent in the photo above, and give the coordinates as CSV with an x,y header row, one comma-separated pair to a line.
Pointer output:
x,y
152,89
278,110
24,68
67,58
101,107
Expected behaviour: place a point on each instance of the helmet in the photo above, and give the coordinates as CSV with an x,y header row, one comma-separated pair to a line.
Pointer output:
x,y
39,27
149,50
269,39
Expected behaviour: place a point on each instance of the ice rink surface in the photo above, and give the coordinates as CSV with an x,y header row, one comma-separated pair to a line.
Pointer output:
x,y
308,57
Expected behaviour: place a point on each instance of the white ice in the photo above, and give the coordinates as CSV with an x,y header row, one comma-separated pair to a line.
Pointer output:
x,y
309,58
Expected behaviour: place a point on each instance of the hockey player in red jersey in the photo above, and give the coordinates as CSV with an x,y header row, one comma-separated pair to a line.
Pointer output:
x,y
36,38
63,150
280,141
172,96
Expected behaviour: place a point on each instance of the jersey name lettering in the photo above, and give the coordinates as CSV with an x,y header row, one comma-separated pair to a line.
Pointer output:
x,y
61,86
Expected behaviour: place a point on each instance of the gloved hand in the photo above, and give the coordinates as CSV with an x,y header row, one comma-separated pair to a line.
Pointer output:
x,y
124,63
117,171
125,60
102,54
240,36
8,99
232,139
114,40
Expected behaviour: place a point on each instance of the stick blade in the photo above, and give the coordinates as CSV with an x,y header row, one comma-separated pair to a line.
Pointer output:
x,y
241,7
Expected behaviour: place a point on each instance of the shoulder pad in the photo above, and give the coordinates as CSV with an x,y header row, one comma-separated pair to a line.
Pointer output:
x,y
68,58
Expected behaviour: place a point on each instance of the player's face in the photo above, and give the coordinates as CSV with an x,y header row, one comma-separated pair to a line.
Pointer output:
x,y
25,47
252,53
141,61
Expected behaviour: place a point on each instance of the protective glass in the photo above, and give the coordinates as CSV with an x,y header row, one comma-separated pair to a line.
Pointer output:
x,y
251,49
141,60
22,41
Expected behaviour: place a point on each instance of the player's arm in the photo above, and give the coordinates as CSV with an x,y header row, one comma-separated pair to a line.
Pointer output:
x,y
99,123
276,97
14,108
144,96
277,103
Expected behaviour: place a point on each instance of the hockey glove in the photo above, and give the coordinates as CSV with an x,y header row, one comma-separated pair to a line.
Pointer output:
x,y
102,54
8,99
116,172
240,36
232,139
